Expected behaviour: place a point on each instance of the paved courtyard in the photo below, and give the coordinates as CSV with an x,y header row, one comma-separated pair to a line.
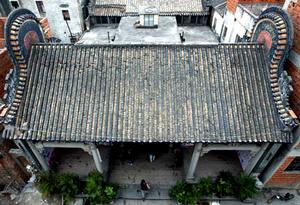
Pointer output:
x,y
166,33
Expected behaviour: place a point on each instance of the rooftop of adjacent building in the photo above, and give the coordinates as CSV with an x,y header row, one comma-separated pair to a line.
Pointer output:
x,y
257,8
166,33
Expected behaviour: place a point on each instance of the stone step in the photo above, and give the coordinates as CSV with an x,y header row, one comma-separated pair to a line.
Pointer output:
x,y
132,191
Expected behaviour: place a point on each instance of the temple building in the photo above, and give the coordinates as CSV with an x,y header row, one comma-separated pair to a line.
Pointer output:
x,y
172,95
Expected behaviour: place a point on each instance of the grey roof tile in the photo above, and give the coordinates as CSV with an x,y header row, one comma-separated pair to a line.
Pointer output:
x,y
143,93
131,7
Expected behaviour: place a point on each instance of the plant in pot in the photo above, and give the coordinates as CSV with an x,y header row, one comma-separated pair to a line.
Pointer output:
x,y
225,183
184,193
178,192
47,183
97,191
205,187
245,187
68,186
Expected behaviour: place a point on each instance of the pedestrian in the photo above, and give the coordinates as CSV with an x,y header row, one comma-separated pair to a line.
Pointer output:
x,y
130,156
145,187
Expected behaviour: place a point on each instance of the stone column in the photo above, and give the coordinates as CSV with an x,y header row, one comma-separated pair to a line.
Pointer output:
x,y
38,156
96,157
194,161
254,160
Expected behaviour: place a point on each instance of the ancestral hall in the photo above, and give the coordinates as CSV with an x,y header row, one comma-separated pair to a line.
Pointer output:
x,y
215,97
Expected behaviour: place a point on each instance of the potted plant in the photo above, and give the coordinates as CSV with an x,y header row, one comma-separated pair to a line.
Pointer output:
x,y
178,192
225,183
47,183
245,187
68,186
205,187
98,192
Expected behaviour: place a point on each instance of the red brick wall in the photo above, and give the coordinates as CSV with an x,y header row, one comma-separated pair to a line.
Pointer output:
x,y
294,11
283,179
9,170
2,22
232,4
5,66
280,178
294,72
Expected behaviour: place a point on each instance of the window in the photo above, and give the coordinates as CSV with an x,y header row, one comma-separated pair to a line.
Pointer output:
x,y
15,4
178,20
294,165
224,32
149,20
238,38
193,19
186,20
214,24
66,15
41,8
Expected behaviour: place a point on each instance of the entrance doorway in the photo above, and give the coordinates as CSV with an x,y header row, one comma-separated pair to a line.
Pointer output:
x,y
154,162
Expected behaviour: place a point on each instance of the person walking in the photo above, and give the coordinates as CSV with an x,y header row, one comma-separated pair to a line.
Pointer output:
x,y
145,187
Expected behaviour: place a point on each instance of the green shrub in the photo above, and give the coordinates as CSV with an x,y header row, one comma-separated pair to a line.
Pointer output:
x,y
68,185
99,192
205,187
184,193
47,183
110,192
245,187
178,192
225,183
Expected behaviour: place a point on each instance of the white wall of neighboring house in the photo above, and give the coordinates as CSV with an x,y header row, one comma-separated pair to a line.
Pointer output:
x,y
54,14
237,24
219,23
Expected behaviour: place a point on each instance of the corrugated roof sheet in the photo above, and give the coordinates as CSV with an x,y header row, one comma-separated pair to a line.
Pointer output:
x,y
149,93
166,7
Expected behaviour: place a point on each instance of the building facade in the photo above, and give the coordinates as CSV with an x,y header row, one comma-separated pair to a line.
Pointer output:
x,y
90,96
66,18
237,25
86,96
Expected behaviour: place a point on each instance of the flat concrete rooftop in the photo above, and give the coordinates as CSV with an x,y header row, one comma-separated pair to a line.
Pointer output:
x,y
166,33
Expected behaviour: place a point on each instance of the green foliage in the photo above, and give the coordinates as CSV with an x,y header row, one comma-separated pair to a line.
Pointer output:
x,y
50,183
178,192
245,187
68,185
205,187
225,183
184,193
98,192
47,183
110,192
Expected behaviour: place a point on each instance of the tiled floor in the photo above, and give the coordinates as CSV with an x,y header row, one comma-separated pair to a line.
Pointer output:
x,y
80,162
159,172
213,162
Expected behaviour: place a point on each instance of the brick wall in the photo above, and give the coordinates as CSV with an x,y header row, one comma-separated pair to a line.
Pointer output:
x,y
2,22
232,4
295,97
9,170
5,66
283,179
294,11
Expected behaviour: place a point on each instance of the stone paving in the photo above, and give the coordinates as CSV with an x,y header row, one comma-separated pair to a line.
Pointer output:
x,y
166,33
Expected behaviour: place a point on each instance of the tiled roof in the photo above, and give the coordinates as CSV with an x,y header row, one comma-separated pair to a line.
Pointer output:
x,y
143,93
221,8
166,7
